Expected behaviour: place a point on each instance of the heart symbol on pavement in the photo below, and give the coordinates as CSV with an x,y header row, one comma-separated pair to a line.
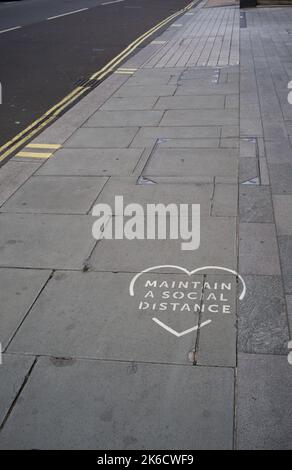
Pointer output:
x,y
189,273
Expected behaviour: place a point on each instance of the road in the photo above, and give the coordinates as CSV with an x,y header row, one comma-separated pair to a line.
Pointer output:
x,y
48,46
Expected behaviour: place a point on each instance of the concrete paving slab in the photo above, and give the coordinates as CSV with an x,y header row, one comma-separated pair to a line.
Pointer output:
x,y
229,142
111,324
264,419
206,117
157,193
278,151
124,118
217,342
92,162
145,90
230,131
258,249
147,136
129,103
13,371
225,200
13,175
45,241
281,178
190,102
283,213
118,400
119,137
248,148
289,311
262,319
285,246
188,143
187,88
56,194
248,169
196,162
255,204
19,289
218,247
232,101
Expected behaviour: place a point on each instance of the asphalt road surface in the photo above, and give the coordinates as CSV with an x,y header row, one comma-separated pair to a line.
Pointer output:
x,y
47,46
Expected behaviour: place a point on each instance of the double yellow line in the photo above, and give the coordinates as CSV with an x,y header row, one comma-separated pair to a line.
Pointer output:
x,y
27,134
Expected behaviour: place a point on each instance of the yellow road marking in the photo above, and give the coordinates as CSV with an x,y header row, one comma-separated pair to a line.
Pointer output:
x,y
43,146
53,112
33,155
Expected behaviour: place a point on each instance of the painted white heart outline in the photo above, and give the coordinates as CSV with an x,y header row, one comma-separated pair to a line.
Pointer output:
x,y
189,273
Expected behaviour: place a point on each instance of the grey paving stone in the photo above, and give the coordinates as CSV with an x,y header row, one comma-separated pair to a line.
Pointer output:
x,y
56,194
12,374
148,80
283,213
248,169
187,88
91,162
196,162
289,311
230,131
45,241
206,117
145,90
255,204
124,118
111,316
250,126
158,193
188,143
147,136
281,178
13,175
258,250
278,151
217,341
232,101
19,289
218,247
229,142
129,103
274,130
264,172
119,137
190,102
117,399
248,148
285,246
225,200
264,416
262,319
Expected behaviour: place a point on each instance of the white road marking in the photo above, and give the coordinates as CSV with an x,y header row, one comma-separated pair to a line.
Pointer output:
x,y
10,29
66,14
113,1
174,332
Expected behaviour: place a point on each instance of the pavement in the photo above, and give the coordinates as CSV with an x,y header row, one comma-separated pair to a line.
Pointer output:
x,y
200,115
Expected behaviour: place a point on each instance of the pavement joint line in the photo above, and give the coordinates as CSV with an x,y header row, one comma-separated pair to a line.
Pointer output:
x,y
57,109
66,14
